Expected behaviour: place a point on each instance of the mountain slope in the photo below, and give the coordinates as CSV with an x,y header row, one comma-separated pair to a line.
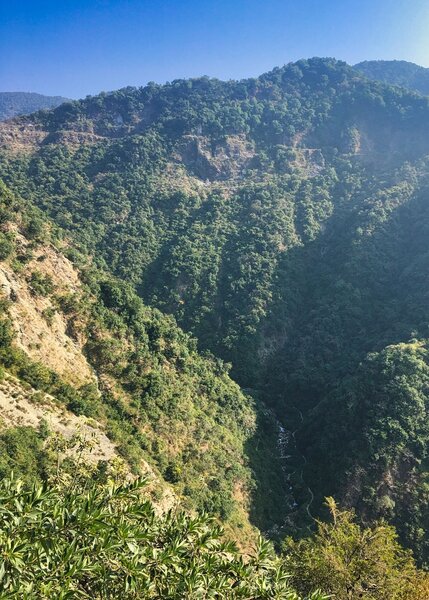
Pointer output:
x,y
13,104
397,72
283,221
75,340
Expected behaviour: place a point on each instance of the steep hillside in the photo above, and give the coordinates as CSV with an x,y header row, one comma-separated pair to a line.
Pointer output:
x,y
13,104
283,221
397,72
40,329
75,341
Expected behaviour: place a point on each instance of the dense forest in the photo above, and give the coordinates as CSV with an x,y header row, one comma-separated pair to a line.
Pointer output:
x,y
282,222
159,400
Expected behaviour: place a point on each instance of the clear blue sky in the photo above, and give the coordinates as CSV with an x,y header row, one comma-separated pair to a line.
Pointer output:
x,y
79,47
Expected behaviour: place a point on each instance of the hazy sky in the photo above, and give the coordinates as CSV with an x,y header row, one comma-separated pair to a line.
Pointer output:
x,y
79,47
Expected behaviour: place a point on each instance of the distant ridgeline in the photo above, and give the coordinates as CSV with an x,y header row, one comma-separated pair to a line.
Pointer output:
x,y
284,222
397,72
13,104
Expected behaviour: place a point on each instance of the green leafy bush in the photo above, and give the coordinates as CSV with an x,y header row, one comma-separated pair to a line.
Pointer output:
x,y
6,246
41,284
350,561
102,542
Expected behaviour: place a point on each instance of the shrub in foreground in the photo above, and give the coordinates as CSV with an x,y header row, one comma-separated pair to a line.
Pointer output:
x,y
106,541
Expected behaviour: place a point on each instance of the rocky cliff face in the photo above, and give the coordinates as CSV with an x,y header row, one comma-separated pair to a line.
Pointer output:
x,y
42,329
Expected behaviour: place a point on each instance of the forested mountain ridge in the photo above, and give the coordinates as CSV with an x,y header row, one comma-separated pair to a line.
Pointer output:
x,y
283,220
13,104
397,72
